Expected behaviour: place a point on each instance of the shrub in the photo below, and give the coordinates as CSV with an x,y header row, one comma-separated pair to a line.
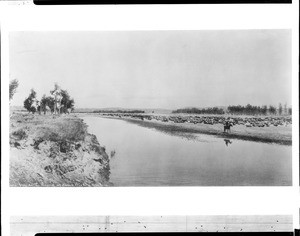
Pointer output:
x,y
28,102
19,134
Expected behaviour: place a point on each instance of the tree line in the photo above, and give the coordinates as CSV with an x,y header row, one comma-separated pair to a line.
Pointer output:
x,y
259,110
66,103
240,110
63,105
118,111
212,110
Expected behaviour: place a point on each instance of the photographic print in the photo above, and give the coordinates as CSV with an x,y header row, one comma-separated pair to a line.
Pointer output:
x,y
150,108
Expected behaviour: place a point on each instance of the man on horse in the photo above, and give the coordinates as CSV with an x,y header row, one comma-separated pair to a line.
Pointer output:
x,y
227,126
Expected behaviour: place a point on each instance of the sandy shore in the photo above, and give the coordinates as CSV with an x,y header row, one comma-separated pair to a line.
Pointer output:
x,y
273,134
48,150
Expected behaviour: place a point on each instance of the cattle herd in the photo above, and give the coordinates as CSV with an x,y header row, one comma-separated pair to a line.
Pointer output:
x,y
255,121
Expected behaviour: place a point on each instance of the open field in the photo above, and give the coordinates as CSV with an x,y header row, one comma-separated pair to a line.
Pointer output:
x,y
55,151
261,129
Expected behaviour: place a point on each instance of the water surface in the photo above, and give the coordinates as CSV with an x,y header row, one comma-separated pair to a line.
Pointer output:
x,y
148,157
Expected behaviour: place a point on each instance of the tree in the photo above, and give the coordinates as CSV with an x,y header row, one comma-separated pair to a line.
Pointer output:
x,y
13,85
290,111
43,104
56,89
62,97
285,110
47,102
29,101
264,110
51,103
66,101
280,109
272,110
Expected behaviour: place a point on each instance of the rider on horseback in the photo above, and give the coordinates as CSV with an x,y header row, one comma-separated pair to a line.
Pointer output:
x,y
227,126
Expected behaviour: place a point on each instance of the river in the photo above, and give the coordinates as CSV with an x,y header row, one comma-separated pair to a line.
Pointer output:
x,y
148,157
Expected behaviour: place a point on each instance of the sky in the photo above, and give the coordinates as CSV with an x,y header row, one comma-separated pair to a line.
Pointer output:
x,y
154,69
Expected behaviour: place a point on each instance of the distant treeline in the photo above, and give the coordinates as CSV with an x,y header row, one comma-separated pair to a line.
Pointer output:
x,y
213,110
240,110
259,110
118,111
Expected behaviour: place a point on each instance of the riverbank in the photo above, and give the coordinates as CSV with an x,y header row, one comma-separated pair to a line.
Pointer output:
x,y
278,134
48,150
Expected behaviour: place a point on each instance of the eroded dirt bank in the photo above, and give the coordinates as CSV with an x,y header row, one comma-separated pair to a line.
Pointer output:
x,y
48,150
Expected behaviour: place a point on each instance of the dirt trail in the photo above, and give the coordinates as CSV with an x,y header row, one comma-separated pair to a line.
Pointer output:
x,y
48,150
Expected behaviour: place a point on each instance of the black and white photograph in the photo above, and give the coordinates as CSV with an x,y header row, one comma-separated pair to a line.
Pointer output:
x,y
150,108
149,119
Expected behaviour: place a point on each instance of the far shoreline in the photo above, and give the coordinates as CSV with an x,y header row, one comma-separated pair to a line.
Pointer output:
x,y
275,135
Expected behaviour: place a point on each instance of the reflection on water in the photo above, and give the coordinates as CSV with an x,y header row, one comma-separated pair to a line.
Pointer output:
x,y
227,141
147,157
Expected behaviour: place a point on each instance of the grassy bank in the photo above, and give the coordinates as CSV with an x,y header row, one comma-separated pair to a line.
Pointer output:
x,y
55,151
279,135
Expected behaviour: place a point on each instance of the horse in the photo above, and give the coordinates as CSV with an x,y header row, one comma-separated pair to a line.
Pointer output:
x,y
227,127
